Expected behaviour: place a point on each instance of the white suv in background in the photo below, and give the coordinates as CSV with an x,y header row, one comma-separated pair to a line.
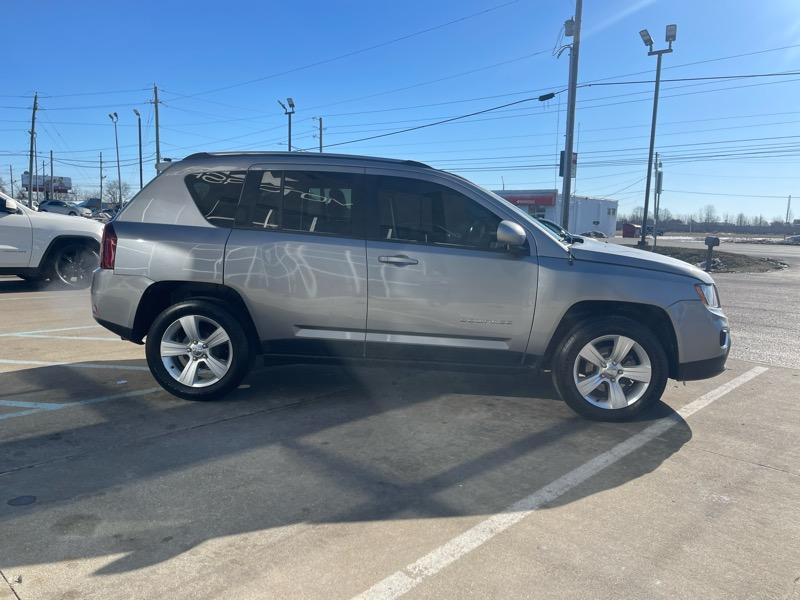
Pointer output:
x,y
41,245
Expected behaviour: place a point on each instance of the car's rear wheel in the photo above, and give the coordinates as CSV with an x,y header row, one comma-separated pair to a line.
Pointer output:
x,y
72,265
610,369
197,350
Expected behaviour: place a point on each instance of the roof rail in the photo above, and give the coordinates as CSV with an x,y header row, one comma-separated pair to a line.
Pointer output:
x,y
411,163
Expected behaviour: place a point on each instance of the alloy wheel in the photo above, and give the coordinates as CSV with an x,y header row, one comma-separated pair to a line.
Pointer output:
x,y
74,265
196,351
612,372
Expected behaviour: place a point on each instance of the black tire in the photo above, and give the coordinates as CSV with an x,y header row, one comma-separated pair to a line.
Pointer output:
x,y
72,265
241,358
565,357
72,213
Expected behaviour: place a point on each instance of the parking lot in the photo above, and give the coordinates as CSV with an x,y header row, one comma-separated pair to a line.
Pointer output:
x,y
330,482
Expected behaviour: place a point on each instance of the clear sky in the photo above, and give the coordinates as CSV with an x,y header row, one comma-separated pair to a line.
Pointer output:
x,y
220,68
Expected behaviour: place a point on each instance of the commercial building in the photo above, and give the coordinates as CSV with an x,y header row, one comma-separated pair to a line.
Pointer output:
x,y
585,213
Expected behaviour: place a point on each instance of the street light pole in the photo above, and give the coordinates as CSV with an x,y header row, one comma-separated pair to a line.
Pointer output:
x,y
566,190
288,112
114,118
670,37
139,120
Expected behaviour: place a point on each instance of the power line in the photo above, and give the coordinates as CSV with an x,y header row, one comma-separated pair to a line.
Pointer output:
x,y
354,52
724,194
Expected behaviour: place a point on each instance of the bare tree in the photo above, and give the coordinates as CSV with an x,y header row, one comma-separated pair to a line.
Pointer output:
x,y
637,214
709,214
741,220
3,187
112,190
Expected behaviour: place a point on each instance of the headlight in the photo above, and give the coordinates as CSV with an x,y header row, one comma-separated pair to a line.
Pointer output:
x,y
708,294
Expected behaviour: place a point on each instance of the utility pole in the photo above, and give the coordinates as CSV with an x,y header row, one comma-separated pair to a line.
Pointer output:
x,y
11,179
44,188
575,26
30,157
158,134
114,118
659,186
648,41
788,208
101,180
320,134
288,112
139,120
51,175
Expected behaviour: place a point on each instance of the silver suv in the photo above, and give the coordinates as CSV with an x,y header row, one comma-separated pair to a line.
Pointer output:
x,y
319,256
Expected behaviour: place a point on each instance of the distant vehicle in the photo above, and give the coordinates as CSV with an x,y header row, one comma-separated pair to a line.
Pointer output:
x,y
595,234
40,245
96,205
225,256
64,208
793,239
650,230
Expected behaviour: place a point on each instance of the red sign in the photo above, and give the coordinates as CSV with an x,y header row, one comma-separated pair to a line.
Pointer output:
x,y
530,198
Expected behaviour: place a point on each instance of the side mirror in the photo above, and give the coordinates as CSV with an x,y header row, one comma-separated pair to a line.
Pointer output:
x,y
511,233
10,206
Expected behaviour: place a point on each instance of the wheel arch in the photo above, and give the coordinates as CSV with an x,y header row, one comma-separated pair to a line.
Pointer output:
x,y
163,294
653,317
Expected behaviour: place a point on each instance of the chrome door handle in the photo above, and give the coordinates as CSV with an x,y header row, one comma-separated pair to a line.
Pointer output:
x,y
399,259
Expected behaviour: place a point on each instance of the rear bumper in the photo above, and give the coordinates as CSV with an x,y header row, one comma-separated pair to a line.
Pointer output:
x,y
115,299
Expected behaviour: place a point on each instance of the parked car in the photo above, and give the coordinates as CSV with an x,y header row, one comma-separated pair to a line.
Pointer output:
x,y
65,208
599,235
562,233
224,256
40,245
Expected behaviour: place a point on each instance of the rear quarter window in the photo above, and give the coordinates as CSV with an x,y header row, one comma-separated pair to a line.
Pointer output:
x,y
216,194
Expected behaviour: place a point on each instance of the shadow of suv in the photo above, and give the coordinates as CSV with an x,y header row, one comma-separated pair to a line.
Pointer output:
x,y
332,257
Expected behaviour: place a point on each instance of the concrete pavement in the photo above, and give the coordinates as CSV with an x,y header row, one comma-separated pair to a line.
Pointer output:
x,y
324,482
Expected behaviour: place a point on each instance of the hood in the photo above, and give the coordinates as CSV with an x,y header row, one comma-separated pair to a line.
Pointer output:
x,y
626,256
65,224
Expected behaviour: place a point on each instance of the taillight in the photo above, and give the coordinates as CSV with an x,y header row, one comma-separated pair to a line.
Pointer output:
x,y
108,247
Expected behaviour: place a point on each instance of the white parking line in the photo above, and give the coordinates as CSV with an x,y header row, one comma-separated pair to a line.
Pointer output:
x,y
32,297
46,363
49,407
65,337
38,331
400,582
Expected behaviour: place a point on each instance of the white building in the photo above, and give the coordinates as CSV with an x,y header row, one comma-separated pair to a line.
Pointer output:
x,y
585,213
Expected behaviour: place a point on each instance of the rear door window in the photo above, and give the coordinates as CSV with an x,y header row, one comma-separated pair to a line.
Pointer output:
x,y
309,201
216,194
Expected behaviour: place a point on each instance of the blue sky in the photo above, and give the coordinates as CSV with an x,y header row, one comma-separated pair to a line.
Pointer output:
x,y
222,66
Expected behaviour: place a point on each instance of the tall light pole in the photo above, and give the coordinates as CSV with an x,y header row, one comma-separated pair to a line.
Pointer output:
x,y
139,119
114,118
571,27
671,34
288,112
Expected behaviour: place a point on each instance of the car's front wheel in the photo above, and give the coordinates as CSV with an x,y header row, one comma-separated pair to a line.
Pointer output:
x,y
197,350
610,369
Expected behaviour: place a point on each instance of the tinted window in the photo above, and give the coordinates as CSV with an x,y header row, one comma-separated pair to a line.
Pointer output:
x,y
216,194
418,211
316,202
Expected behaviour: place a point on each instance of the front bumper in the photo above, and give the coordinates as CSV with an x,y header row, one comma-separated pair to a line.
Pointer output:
x,y
704,340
